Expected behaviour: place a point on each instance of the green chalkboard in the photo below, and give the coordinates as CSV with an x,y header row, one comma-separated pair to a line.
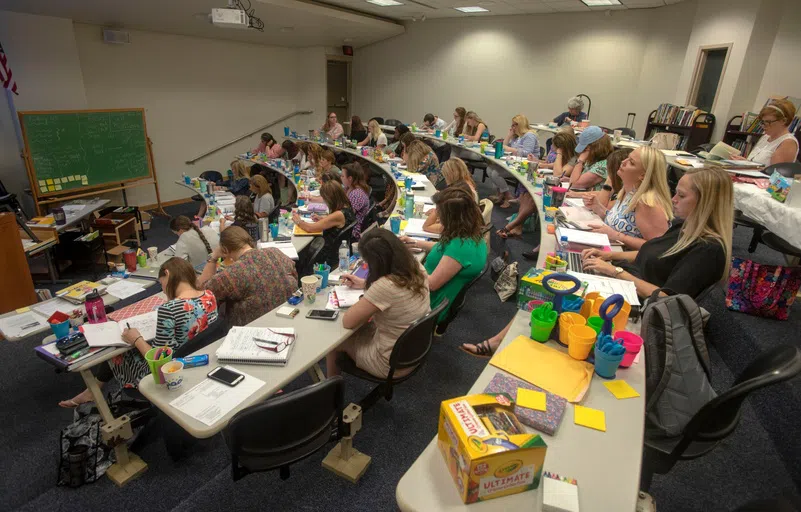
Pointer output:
x,y
71,150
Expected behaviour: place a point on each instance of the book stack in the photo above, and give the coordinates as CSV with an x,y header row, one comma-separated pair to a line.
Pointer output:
x,y
675,115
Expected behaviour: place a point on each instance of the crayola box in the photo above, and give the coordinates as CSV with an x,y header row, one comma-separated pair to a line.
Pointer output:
x,y
531,288
487,450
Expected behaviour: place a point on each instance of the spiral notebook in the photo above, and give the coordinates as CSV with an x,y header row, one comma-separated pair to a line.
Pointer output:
x,y
242,345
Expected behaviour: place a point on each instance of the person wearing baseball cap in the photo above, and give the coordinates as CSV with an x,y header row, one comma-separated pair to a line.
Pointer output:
x,y
593,147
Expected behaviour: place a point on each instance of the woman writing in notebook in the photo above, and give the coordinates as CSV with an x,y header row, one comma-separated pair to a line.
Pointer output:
x,y
395,296
187,312
375,136
244,217
194,244
257,281
456,174
643,208
340,215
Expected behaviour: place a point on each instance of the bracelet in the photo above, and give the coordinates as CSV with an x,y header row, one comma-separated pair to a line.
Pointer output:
x,y
137,339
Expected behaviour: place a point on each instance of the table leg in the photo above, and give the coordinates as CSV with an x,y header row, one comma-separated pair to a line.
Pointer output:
x,y
115,432
316,373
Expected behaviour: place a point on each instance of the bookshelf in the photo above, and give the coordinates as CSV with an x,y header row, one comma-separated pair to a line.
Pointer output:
x,y
743,132
693,126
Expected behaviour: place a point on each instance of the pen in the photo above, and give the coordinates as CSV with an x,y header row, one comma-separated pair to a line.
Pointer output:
x,y
127,324
262,340
28,326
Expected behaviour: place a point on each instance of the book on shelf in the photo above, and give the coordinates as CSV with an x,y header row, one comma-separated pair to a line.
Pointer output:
x,y
676,115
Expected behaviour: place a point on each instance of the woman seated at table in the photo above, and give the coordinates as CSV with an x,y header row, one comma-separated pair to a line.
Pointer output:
x,y
575,105
589,173
456,127
358,193
392,147
395,296
432,122
357,130
474,127
264,204
643,209
405,140
258,280
244,217
340,216
327,163
332,128
522,142
432,223
777,145
420,158
461,253
269,147
194,244
290,148
564,145
240,183
375,136
610,190
187,312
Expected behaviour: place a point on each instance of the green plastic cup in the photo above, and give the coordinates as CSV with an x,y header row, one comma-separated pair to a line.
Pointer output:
x,y
141,259
596,322
156,364
541,331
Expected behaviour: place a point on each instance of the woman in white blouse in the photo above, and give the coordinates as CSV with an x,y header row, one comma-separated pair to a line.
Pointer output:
x,y
777,145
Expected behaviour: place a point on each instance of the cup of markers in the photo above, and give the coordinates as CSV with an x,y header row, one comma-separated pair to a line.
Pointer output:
x,y
156,358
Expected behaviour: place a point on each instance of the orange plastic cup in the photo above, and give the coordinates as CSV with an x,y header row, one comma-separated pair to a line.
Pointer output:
x,y
580,340
565,321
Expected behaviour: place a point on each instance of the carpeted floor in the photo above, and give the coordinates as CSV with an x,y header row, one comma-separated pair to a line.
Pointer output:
x,y
762,459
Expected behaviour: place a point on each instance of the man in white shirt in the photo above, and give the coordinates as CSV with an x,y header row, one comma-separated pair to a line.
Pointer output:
x,y
432,122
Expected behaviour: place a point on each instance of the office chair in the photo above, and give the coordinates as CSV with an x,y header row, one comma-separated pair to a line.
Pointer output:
x,y
305,264
392,122
285,429
8,201
718,419
778,243
786,169
379,120
409,351
461,298
703,147
212,176
628,132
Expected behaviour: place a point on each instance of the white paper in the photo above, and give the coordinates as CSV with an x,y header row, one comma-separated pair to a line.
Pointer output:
x,y
414,227
424,200
123,289
209,401
607,286
575,236
72,209
750,174
347,296
106,334
16,326
285,247
581,217
240,344
576,202
49,307
145,323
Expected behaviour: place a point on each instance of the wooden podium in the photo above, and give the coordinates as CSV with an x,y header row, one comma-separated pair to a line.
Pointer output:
x,y
14,271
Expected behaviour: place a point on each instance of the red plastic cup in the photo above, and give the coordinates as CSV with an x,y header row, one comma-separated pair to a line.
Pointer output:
x,y
130,260
633,344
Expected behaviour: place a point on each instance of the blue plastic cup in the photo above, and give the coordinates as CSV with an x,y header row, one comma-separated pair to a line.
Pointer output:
x,y
187,180
546,201
323,273
301,202
437,134
273,230
61,330
408,182
606,365
394,224
286,131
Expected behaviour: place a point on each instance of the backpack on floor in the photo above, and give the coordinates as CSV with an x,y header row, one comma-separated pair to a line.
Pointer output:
x,y
677,363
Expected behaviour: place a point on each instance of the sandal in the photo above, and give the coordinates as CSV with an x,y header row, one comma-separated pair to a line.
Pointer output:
x,y
503,233
505,204
483,350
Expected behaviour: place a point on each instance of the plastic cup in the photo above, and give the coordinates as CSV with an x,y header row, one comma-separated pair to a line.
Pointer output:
x,y
394,224
61,329
286,131
153,253
173,374
606,365
437,133
156,364
633,344
580,339
323,273
546,201
203,186
273,230
565,321
541,331
309,286
187,180
129,257
141,260
596,322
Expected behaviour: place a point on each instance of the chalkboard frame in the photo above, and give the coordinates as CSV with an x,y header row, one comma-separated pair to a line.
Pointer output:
x,y
88,188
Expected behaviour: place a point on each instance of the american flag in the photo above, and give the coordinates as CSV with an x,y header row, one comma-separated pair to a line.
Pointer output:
x,y
5,73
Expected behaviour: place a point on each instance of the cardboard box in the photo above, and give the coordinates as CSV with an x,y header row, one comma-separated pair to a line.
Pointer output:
x,y
531,288
487,450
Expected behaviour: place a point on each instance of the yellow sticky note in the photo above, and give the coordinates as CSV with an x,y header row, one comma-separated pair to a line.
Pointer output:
x,y
23,310
58,187
590,418
621,389
49,181
403,224
531,399
51,188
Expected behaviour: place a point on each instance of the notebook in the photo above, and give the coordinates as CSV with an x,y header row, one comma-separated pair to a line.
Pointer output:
x,y
545,421
414,227
583,238
77,293
109,334
301,232
285,247
347,297
240,346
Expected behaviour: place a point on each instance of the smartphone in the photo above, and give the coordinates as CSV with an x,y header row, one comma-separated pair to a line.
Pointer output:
x,y
226,376
322,314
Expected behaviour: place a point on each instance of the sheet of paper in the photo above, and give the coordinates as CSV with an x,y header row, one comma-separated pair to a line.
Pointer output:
x,y
621,389
347,296
607,286
414,227
531,399
590,418
210,401
16,326
750,174
72,209
575,236
145,323
49,307
107,334
576,202
123,289
285,247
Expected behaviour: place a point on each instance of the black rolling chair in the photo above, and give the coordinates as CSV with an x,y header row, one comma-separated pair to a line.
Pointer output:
x,y
213,176
542,152
392,122
8,201
719,417
285,429
379,120
786,169
370,217
461,297
702,147
779,244
410,351
212,333
306,263
443,152
628,132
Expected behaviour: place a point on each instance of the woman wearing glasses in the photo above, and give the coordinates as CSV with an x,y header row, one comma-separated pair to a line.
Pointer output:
x,y
395,296
777,145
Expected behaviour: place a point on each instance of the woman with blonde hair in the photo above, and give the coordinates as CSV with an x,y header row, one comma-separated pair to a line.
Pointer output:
x,y
264,204
375,136
241,180
456,127
474,127
643,209
420,158
693,254
521,140
777,145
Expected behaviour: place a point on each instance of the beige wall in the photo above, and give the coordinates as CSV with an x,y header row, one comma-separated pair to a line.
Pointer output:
x,y
501,66
782,71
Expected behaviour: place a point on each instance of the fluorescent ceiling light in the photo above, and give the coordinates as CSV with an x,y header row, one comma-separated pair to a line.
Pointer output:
x,y
600,3
471,9
384,3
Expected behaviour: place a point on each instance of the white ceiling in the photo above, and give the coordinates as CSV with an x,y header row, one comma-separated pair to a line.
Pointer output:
x,y
287,22
415,9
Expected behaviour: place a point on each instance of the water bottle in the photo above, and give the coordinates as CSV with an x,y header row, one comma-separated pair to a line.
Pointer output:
x,y
296,173
409,206
344,255
264,229
95,309
461,139
561,249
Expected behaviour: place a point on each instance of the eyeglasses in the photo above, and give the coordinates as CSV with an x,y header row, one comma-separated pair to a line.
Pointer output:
x,y
275,346
768,122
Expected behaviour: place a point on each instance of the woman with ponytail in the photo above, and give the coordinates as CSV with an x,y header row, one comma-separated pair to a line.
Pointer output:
x,y
193,244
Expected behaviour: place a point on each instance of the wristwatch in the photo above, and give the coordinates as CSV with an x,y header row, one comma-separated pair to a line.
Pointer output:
x,y
618,271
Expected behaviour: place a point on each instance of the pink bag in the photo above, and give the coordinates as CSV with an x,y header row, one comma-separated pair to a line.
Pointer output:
x,y
762,290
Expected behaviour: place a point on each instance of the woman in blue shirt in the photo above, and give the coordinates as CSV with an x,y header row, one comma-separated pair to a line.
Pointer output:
x,y
575,105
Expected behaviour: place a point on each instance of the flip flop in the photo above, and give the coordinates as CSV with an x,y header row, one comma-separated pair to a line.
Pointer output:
x,y
503,233
72,404
483,350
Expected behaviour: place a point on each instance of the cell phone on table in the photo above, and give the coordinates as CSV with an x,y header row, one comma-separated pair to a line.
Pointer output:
x,y
322,314
226,376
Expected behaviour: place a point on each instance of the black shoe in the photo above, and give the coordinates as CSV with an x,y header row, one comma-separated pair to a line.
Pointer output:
x,y
533,254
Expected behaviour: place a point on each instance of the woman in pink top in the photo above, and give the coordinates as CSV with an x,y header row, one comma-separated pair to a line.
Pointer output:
x,y
332,128
269,146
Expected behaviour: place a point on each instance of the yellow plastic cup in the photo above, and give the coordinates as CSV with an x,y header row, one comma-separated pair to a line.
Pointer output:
x,y
565,321
580,341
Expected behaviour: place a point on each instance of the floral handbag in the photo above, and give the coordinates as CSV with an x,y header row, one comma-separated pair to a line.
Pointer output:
x,y
762,290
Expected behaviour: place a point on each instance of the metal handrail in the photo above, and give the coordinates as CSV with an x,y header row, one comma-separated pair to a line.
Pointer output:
x,y
260,128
